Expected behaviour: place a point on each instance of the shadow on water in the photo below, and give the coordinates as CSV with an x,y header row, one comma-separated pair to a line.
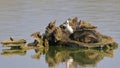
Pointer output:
x,y
73,57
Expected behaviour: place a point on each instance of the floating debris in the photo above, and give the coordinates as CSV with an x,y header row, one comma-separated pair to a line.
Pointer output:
x,y
11,41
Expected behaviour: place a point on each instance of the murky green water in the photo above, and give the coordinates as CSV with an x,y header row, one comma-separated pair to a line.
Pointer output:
x,y
20,18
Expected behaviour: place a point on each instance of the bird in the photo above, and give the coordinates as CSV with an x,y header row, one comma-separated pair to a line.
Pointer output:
x,y
68,27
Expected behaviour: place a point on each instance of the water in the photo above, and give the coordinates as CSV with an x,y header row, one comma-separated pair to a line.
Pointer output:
x,y
20,18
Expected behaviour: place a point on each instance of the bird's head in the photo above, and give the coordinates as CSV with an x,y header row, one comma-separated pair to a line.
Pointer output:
x,y
67,23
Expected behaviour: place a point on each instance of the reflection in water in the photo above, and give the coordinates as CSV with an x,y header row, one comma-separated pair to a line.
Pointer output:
x,y
69,62
38,54
73,57
13,52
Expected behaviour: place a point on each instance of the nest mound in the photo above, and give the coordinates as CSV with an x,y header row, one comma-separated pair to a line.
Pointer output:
x,y
84,35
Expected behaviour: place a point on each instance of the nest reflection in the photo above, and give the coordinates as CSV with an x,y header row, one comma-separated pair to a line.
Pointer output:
x,y
73,57
13,52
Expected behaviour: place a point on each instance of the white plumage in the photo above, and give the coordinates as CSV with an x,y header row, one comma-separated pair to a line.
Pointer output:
x,y
68,27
